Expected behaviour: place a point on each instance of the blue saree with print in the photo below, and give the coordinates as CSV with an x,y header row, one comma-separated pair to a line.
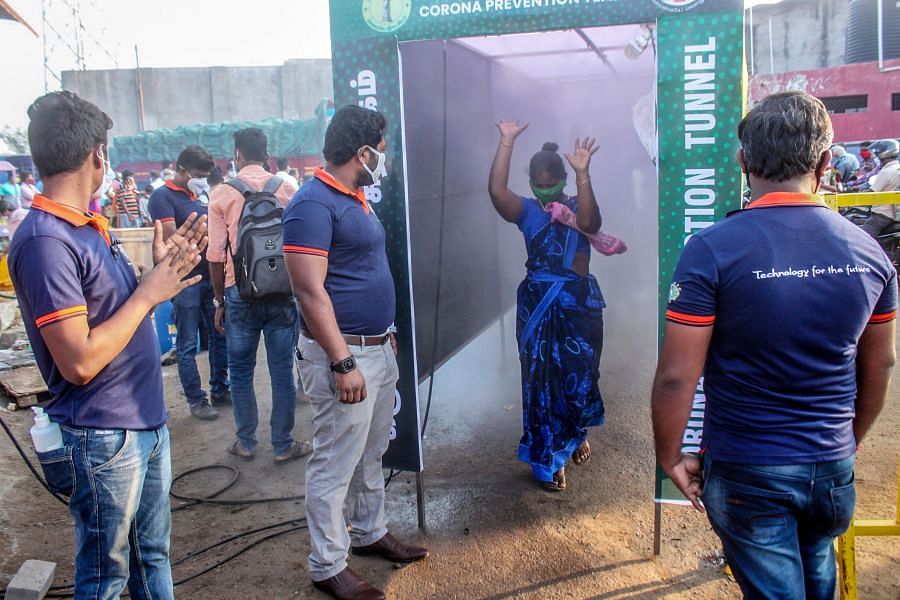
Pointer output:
x,y
559,329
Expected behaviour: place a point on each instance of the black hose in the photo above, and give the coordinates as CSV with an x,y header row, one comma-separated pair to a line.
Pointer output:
x,y
238,553
210,499
196,553
28,462
65,591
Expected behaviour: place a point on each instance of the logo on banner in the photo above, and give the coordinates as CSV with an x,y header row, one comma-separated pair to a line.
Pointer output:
x,y
678,6
386,15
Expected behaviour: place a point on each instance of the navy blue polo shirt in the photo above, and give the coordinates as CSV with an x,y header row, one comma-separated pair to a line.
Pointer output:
x,y
326,219
64,264
788,287
172,203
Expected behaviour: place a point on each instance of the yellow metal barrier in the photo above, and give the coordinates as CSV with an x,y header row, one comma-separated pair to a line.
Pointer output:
x,y
836,201
847,545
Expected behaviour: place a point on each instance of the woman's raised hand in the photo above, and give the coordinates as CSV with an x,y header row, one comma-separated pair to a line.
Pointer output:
x,y
580,159
510,130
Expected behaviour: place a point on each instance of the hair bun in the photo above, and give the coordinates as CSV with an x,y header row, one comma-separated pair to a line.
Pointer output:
x,y
549,147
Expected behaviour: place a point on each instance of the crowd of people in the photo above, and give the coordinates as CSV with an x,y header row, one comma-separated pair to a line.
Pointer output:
x,y
876,169
785,309
849,172
126,204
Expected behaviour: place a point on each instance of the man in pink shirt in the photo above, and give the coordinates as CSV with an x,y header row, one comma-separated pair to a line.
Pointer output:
x,y
243,321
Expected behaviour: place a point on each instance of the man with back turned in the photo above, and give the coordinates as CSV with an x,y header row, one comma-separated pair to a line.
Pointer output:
x,y
790,309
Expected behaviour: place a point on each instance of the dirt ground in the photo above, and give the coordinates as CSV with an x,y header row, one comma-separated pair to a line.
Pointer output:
x,y
491,531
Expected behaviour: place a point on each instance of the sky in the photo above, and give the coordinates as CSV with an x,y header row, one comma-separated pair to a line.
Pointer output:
x,y
168,33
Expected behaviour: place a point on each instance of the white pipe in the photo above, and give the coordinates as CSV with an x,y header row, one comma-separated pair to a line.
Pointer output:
x,y
881,66
771,49
752,57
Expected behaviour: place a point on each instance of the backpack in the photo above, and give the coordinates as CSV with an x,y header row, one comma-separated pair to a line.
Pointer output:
x,y
258,259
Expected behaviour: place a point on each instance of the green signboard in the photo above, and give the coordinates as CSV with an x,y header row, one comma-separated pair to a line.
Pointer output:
x,y
700,101
700,105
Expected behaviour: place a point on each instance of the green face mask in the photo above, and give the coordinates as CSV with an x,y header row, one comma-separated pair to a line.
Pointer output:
x,y
547,195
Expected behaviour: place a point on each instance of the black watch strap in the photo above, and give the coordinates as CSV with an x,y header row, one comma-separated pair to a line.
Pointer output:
x,y
344,366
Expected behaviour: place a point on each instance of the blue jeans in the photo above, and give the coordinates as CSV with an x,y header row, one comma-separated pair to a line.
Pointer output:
x,y
778,523
118,486
244,322
192,305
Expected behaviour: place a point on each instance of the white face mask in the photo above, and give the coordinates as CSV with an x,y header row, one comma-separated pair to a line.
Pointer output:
x,y
380,170
198,186
108,177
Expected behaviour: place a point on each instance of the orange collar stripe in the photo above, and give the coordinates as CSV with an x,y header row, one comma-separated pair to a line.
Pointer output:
x,y
174,187
61,315
787,199
73,216
329,180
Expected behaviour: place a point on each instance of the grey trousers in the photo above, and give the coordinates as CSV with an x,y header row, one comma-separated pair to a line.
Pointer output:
x,y
344,480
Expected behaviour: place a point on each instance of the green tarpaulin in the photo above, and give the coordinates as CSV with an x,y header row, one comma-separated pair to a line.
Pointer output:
x,y
286,138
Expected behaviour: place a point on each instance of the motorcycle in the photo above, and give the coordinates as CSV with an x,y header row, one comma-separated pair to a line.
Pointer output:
x,y
888,239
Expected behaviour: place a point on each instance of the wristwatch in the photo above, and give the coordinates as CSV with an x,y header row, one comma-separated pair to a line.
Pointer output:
x,y
344,366
217,303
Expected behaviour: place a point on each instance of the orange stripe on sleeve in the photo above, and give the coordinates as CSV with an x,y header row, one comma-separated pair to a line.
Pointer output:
x,y
61,315
883,318
686,319
305,250
167,219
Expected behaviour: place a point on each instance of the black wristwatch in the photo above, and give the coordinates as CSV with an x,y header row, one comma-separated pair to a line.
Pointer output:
x,y
344,366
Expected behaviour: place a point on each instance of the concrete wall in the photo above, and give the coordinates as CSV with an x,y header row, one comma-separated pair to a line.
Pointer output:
x,y
876,122
805,34
191,96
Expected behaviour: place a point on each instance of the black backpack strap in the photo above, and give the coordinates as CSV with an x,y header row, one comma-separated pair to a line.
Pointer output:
x,y
272,185
241,186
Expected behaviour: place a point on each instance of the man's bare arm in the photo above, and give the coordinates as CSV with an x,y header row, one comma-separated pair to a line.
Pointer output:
x,y
876,355
308,274
681,363
81,352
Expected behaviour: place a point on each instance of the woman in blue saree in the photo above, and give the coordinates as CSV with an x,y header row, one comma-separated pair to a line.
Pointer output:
x,y
559,325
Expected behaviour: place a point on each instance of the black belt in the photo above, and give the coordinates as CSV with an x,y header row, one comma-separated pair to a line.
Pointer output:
x,y
357,340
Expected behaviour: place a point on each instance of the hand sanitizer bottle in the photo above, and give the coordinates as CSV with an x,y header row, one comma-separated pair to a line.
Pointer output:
x,y
45,434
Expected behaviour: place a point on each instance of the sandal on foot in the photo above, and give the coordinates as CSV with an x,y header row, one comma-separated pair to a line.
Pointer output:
x,y
582,455
559,481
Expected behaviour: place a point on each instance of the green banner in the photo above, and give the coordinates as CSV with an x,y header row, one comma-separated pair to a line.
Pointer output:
x,y
443,19
699,108
369,75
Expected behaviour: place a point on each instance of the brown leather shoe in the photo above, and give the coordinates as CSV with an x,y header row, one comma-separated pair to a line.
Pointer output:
x,y
390,548
347,585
